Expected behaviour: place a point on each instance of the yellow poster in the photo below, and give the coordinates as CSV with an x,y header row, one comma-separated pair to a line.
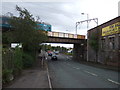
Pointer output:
x,y
111,29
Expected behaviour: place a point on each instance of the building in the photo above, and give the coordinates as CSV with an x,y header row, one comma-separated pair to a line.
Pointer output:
x,y
4,24
44,26
104,43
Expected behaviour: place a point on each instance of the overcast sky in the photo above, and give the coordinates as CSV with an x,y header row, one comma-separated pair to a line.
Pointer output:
x,y
63,14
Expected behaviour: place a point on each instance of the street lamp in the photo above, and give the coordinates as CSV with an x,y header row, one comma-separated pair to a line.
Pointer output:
x,y
77,23
76,26
87,19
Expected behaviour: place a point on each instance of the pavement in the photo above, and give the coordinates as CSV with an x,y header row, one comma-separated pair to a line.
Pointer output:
x,y
35,77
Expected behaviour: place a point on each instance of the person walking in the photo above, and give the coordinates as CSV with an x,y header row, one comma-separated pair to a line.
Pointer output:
x,y
43,56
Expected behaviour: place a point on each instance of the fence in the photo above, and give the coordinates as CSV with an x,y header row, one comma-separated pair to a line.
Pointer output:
x,y
7,59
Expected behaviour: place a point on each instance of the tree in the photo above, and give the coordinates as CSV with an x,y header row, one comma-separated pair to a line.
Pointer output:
x,y
25,30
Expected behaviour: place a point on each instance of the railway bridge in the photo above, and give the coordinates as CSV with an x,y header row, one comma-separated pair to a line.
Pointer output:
x,y
79,42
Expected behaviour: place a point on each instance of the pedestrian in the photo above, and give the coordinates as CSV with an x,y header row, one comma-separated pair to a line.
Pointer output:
x,y
43,57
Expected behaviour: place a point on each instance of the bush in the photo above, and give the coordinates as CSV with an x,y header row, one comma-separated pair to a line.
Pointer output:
x,y
7,65
28,60
13,62
68,53
6,75
18,64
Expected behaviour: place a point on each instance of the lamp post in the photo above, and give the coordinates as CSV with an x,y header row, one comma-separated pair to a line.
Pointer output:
x,y
76,27
77,23
87,19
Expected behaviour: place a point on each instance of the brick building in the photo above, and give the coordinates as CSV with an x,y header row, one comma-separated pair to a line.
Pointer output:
x,y
105,39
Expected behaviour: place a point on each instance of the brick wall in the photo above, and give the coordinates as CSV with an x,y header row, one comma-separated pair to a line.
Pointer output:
x,y
109,46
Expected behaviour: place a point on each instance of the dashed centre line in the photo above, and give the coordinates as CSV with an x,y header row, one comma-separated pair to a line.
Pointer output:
x,y
74,67
77,68
94,74
90,73
113,81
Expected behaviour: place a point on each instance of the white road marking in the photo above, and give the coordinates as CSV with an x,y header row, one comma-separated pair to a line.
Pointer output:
x,y
77,68
74,67
91,73
68,58
48,76
113,81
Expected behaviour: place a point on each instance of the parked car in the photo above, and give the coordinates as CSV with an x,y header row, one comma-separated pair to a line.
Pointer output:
x,y
49,53
57,52
54,57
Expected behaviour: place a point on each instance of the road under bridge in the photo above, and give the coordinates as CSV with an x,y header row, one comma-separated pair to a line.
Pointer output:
x,y
79,49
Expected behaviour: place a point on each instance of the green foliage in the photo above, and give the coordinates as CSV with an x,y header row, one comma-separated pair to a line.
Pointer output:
x,y
24,30
6,75
7,66
68,53
5,39
18,64
11,63
28,60
7,58
94,42
56,48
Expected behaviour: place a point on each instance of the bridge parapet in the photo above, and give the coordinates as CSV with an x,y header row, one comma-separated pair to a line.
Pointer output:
x,y
65,35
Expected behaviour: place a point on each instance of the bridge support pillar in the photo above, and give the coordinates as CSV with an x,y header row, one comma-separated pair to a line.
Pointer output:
x,y
78,52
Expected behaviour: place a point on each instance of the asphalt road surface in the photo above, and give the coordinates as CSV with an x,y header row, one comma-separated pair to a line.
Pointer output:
x,y
65,73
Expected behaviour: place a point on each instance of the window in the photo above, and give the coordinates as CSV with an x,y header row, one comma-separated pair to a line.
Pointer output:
x,y
111,43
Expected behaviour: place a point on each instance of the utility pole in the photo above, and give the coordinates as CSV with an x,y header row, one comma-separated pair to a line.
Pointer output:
x,y
88,20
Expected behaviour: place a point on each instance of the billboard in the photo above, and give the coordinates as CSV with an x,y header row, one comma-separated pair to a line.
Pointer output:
x,y
111,29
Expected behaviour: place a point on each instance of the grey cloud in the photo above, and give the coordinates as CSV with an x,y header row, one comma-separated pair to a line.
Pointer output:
x,y
49,12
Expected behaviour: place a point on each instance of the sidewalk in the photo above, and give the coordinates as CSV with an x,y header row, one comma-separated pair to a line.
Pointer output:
x,y
35,77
